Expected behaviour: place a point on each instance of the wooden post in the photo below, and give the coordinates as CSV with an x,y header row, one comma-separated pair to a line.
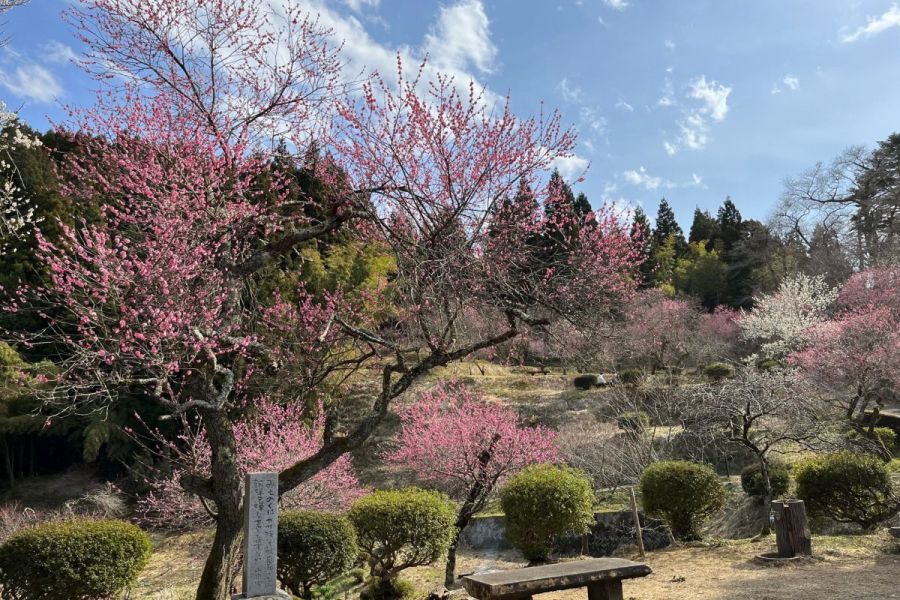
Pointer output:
x,y
639,536
792,535
605,590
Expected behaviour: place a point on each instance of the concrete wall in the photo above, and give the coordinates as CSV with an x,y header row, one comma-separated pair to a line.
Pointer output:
x,y
610,531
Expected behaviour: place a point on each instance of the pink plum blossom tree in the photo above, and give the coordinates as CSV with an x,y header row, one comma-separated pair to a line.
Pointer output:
x,y
455,439
858,350
158,296
269,438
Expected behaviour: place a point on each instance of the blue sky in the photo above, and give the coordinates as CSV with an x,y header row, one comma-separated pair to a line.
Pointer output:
x,y
688,99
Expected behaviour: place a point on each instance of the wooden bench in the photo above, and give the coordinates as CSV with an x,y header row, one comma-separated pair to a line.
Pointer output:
x,y
601,576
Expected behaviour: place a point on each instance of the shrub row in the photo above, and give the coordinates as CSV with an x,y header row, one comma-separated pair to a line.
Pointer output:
x,y
78,559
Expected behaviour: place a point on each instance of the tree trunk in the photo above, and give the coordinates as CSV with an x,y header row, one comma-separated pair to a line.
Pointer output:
x,y
450,569
478,491
7,463
792,534
227,492
767,496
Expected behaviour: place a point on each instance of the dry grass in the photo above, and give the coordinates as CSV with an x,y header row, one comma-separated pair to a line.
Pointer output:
x,y
846,567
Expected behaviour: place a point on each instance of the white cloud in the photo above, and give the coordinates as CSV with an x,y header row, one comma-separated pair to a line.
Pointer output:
x,y
33,82
590,117
358,5
59,53
875,25
669,44
694,124
790,82
569,91
713,95
641,178
458,44
462,37
694,132
668,90
616,4
624,105
697,181
571,167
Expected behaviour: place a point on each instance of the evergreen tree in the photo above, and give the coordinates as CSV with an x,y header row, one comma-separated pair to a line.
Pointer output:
x,y
640,223
702,274
730,225
704,229
583,208
667,226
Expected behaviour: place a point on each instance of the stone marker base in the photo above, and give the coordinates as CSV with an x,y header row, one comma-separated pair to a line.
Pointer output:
x,y
773,559
279,595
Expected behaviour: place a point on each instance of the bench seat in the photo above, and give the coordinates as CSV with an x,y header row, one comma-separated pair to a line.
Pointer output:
x,y
602,576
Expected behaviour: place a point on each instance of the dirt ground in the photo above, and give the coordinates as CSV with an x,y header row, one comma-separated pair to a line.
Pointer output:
x,y
863,567
845,567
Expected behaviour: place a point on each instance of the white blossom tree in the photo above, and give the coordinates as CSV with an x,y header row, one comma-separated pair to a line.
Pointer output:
x,y
780,320
16,212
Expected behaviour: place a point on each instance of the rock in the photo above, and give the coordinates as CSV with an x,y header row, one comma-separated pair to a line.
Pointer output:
x,y
440,593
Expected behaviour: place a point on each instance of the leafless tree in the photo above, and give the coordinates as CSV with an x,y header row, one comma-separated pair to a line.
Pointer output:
x,y
765,412
854,199
613,457
5,7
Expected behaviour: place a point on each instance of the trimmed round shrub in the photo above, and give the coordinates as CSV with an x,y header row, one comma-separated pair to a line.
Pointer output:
x,y
399,529
767,364
545,501
80,559
884,435
585,382
313,547
846,487
631,376
753,485
633,421
718,371
684,494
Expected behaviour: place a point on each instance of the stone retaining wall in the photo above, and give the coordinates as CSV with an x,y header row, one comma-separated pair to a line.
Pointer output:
x,y
610,531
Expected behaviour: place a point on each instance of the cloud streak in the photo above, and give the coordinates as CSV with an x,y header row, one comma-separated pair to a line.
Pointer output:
x,y
875,25
32,82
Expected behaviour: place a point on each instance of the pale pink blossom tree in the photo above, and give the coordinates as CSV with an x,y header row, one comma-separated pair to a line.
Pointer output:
x,y
858,350
158,296
454,439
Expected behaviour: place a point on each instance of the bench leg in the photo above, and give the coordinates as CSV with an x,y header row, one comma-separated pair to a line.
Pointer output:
x,y
607,590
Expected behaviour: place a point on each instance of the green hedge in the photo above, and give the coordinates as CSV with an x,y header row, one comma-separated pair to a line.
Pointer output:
x,y
636,421
545,501
585,382
752,480
313,547
81,559
399,529
846,487
885,435
718,371
631,376
684,494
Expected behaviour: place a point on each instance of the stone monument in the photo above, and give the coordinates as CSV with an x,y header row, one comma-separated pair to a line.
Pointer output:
x,y
261,538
